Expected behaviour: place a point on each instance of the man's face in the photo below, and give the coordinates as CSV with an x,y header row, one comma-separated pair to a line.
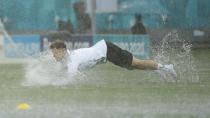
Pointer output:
x,y
58,54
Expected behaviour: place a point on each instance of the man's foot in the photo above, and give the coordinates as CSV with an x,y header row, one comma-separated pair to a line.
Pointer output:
x,y
170,68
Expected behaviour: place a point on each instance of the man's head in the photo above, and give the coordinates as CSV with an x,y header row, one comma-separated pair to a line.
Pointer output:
x,y
138,17
58,49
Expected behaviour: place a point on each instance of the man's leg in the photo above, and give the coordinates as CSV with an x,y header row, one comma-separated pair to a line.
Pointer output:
x,y
151,65
144,64
125,59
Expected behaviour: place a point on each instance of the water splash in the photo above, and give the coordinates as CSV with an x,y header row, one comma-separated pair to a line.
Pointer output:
x,y
13,44
46,71
178,52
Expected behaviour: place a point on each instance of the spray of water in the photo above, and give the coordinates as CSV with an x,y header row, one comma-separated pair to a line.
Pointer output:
x,y
7,36
41,71
46,71
174,50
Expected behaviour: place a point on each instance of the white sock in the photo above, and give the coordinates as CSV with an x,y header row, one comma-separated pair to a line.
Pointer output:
x,y
168,68
160,66
164,67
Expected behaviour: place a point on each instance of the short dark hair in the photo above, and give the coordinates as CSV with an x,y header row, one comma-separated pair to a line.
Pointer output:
x,y
58,44
138,17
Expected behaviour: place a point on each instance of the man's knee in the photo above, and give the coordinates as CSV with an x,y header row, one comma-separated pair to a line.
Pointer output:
x,y
137,63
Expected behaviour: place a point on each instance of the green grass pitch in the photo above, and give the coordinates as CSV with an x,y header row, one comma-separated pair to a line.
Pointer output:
x,y
108,92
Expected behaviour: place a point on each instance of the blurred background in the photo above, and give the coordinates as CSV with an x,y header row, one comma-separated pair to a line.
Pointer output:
x,y
191,18
81,21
